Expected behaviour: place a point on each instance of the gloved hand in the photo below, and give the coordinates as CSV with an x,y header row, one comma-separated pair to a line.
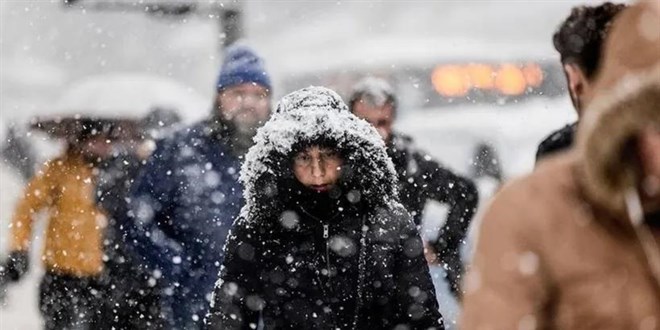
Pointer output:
x,y
14,267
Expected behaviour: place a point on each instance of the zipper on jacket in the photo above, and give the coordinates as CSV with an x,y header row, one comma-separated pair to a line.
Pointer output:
x,y
326,234
325,286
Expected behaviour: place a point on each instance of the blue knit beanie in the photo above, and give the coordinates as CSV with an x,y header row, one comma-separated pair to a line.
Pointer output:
x,y
242,65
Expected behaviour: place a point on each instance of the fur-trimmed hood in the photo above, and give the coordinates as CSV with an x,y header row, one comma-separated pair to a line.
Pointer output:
x,y
309,115
608,134
627,100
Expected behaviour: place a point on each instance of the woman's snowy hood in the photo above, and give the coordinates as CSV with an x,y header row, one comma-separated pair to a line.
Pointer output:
x,y
308,115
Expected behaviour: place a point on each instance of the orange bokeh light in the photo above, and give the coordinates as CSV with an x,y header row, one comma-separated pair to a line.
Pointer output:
x,y
481,76
510,80
456,80
533,74
450,80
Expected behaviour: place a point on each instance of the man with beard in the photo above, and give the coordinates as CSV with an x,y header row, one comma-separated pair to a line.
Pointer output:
x,y
421,178
579,41
188,194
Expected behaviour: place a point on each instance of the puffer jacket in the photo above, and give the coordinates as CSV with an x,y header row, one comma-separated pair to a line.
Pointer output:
x,y
65,187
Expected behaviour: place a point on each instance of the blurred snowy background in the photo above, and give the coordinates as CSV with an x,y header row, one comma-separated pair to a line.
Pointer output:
x,y
53,57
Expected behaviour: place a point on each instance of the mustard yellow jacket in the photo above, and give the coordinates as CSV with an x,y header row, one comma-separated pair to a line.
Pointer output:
x,y
64,188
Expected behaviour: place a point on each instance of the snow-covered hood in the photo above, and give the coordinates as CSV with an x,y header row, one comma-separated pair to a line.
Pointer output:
x,y
610,126
627,95
308,115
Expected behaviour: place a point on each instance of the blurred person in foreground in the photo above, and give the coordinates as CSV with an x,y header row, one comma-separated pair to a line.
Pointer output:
x,y
188,194
133,294
579,41
574,245
420,178
323,242
71,291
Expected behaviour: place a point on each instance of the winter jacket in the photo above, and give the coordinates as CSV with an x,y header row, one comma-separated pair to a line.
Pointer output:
x,y
131,304
566,247
182,206
357,263
64,187
421,178
116,176
559,140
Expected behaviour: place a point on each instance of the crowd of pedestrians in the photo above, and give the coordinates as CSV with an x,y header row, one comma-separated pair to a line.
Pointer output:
x,y
307,214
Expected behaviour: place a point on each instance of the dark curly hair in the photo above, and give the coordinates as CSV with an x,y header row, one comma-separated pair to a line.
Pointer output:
x,y
579,39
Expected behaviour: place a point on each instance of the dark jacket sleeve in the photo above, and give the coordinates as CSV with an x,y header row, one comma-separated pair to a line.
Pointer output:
x,y
113,188
459,193
237,297
416,304
150,215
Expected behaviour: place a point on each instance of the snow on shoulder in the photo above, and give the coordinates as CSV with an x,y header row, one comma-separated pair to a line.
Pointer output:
x,y
316,114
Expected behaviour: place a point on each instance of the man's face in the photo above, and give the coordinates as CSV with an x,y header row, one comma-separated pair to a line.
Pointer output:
x,y
245,105
381,117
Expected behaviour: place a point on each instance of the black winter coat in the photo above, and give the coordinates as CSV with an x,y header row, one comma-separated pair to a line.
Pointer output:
x,y
350,259
327,274
133,304
421,179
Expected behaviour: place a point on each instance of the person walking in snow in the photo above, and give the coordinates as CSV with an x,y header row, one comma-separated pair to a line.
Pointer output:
x,y
187,196
575,245
579,41
420,178
135,303
71,290
323,242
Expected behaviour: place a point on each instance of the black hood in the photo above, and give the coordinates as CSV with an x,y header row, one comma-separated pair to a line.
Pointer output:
x,y
315,115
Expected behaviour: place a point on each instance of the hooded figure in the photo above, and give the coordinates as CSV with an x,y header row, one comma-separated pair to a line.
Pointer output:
x,y
575,244
347,257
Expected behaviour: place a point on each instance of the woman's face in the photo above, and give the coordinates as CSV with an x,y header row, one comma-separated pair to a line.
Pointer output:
x,y
317,168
